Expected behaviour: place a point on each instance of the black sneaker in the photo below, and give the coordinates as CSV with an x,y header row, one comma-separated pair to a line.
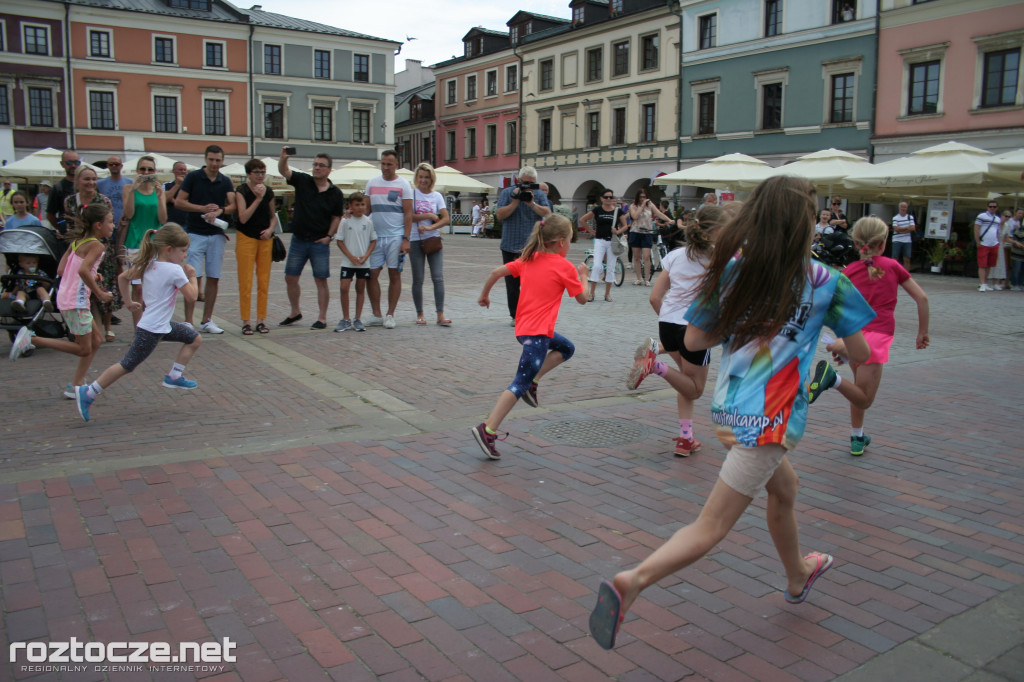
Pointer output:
x,y
824,378
487,440
530,397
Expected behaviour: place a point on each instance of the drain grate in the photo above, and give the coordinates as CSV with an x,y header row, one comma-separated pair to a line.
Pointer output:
x,y
592,433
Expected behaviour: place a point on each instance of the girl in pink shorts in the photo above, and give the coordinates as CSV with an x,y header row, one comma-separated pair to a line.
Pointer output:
x,y
878,279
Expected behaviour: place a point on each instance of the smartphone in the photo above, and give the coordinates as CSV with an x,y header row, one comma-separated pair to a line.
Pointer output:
x,y
290,151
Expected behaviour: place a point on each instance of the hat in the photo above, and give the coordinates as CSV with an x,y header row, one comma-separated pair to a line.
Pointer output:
x,y
46,183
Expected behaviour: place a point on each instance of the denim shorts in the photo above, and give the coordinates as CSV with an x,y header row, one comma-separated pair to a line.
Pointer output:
x,y
386,251
302,250
639,240
901,250
206,254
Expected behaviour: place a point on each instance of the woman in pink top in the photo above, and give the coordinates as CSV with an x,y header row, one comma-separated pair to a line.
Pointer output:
x,y
878,279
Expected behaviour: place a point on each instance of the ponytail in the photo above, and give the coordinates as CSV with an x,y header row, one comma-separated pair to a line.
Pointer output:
x,y
868,234
88,215
546,231
699,240
171,234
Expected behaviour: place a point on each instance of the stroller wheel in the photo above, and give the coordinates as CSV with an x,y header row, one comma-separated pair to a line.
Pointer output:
x,y
28,353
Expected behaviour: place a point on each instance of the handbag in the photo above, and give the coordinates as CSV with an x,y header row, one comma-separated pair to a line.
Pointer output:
x,y
278,252
431,245
618,241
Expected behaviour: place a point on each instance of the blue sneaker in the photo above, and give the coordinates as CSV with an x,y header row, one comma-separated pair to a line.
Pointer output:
x,y
83,401
180,382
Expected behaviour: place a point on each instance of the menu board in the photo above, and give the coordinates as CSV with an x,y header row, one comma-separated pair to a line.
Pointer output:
x,y
940,217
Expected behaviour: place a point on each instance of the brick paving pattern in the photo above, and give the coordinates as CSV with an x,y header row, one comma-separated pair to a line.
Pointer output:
x,y
319,501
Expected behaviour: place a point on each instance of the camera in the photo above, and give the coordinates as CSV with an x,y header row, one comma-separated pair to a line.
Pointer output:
x,y
290,151
525,191
152,179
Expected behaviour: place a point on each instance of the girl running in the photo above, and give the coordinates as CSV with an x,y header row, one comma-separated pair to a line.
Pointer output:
x,y
545,273
878,279
767,305
77,268
159,265
675,290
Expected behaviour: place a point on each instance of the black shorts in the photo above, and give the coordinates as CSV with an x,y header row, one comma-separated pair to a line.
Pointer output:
x,y
355,273
672,334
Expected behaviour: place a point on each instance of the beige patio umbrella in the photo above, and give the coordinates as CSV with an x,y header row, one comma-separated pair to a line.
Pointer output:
x,y
41,165
731,171
164,164
274,179
1008,165
355,175
943,170
827,169
453,180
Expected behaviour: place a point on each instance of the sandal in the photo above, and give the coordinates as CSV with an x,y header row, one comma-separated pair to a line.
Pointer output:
x,y
110,336
608,298
246,330
444,322
420,321
262,328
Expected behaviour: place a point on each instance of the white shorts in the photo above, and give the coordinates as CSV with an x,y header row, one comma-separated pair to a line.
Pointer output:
x,y
130,254
747,470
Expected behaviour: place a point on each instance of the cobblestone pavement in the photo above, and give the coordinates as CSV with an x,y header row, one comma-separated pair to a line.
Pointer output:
x,y
319,501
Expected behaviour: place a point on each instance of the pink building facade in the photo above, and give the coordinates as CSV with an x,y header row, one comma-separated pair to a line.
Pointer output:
x,y
949,70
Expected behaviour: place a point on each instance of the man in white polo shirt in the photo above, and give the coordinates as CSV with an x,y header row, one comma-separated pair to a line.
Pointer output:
x,y
986,237
903,228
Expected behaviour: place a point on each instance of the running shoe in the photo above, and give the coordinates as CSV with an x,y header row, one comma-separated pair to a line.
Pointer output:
x,y
858,443
824,378
643,363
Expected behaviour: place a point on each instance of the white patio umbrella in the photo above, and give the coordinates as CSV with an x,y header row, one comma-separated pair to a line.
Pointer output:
x,y
732,171
274,180
1008,165
164,164
41,165
355,175
827,169
453,180
944,170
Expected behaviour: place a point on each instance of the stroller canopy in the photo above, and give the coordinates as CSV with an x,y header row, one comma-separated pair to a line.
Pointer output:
x,y
31,239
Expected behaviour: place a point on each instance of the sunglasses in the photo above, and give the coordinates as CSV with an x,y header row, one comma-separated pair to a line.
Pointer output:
x,y
608,197
72,163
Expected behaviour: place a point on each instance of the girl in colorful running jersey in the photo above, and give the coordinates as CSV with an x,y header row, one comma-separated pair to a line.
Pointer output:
x,y
766,301
77,269
673,293
545,274
158,264
878,278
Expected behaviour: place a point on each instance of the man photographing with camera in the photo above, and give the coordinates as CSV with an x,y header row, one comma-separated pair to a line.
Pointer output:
x,y
519,208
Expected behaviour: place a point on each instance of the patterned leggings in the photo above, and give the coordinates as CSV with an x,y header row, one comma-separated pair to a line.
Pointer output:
x,y
145,343
535,349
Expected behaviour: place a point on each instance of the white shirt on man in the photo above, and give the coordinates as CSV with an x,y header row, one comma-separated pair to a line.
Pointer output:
x,y
902,221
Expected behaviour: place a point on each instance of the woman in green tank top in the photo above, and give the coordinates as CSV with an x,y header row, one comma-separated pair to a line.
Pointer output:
x,y
144,209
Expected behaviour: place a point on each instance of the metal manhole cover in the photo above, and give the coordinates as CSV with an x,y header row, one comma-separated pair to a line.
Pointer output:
x,y
592,432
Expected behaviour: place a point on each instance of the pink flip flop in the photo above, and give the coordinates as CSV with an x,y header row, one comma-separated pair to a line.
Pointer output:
x,y
825,562
606,616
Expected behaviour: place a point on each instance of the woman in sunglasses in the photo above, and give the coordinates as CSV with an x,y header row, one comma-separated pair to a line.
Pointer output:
x,y
609,223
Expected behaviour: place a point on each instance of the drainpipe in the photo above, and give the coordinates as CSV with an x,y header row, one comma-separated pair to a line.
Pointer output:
x,y
70,85
522,120
252,95
874,91
672,5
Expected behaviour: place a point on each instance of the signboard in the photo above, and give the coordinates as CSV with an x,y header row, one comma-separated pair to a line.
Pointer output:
x,y
940,217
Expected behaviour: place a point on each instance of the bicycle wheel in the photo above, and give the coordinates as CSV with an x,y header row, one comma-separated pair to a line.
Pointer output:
x,y
620,272
589,260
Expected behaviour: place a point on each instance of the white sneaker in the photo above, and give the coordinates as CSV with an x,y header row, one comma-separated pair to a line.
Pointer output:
x,y
982,287
210,327
389,321
374,321
22,343
995,287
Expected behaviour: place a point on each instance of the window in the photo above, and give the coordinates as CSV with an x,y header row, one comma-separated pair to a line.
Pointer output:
x,y
323,124
706,116
361,68
470,143
619,125
273,120
771,106
451,92
511,78
594,59
191,4
470,88
843,10
772,18
999,78
514,34
491,140
648,122
842,98
621,58
40,107
545,135
165,114
101,110
492,83
577,14
511,138
361,125
923,95
708,35
3,35
99,44
594,129
163,50
547,74
449,150
321,64
36,39
616,6
215,120
649,52
272,59
215,55
5,111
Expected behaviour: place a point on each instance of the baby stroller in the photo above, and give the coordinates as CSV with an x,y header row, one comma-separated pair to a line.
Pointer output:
x,y
43,243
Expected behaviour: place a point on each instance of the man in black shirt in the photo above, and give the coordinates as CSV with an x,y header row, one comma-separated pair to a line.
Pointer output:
x,y
66,187
318,208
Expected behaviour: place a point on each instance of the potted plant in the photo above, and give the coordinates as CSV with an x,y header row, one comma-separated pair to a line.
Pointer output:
x,y
936,253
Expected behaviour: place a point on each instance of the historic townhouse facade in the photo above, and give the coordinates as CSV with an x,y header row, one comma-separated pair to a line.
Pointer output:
x,y
776,78
173,76
476,106
949,69
599,99
415,127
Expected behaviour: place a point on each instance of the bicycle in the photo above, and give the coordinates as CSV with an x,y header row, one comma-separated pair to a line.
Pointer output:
x,y
620,269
